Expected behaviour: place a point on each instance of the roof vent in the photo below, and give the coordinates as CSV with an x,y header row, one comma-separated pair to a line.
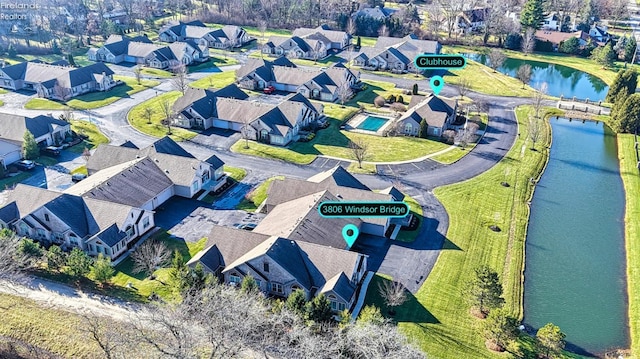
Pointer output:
x,y
166,171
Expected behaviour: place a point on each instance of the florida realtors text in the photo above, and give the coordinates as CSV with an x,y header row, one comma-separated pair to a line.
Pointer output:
x,y
18,6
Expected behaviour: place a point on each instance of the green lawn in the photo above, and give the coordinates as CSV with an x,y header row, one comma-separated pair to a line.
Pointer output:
x,y
138,120
367,168
144,286
631,180
95,99
214,61
10,181
81,169
334,142
326,62
46,161
89,129
456,154
149,71
217,80
254,199
416,210
43,104
438,318
236,173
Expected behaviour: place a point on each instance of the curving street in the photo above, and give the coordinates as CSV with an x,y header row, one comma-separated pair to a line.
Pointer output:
x,y
410,263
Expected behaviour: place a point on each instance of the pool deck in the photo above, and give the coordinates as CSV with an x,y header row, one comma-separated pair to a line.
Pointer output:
x,y
358,119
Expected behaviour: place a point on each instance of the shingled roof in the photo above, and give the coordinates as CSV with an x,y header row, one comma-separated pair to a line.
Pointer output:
x,y
13,127
434,109
300,220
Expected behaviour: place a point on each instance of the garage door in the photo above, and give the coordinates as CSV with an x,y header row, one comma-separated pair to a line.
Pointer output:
x,y
220,123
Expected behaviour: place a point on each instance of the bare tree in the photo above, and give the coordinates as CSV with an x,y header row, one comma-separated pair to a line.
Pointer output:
x,y
262,27
538,98
535,131
61,92
383,31
344,92
86,154
150,256
109,335
393,293
496,58
529,41
13,262
463,86
138,73
524,74
245,131
450,10
618,10
359,150
167,111
468,134
435,20
148,112
179,80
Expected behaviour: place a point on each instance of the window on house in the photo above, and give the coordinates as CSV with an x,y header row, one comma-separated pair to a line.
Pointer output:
x,y
408,128
276,288
145,222
91,247
265,267
235,279
130,231
195,186
46,217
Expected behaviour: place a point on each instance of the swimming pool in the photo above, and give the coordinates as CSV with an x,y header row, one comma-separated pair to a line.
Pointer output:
x,y
372,123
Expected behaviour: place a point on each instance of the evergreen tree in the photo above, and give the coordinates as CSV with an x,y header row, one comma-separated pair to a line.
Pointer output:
x,y
2,171
71,61
485,290
500,328
370,314
78,263
630,48
414,90
56,258
296,302
30,150
30,249
627,116
102,270
197,278
423,128
532,15
550,340
55,48
570,46
358,42
319,309
179,272
249,284
625,82
11,51
604,56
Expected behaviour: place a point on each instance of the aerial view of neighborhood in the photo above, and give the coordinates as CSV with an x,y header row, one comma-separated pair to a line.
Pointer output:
x,y
351,179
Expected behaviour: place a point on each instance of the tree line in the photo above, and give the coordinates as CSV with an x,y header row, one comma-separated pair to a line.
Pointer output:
x,y
208,318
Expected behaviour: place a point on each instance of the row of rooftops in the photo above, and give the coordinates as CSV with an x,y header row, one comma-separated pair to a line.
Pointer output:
x,y
48,75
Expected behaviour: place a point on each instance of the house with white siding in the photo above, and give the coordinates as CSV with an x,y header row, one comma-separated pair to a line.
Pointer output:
x,y
394,54
47,131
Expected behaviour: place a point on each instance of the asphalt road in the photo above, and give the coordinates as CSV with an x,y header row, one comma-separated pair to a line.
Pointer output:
x,y
412,262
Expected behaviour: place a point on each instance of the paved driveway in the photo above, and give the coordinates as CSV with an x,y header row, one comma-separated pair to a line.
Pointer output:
x,y
191,220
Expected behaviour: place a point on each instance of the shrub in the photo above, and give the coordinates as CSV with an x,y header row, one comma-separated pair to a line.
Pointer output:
x,y
379,101
414,90
398,107
392,98
400,99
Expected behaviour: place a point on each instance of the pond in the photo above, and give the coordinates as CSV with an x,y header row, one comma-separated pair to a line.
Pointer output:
x,y
561,80
575,257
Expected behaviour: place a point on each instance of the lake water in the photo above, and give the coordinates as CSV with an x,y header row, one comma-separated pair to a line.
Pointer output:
x,y
561,80
575,256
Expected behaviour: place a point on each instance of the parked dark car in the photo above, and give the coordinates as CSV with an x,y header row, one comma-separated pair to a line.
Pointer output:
x,y
25,165
248,226
51,151
269,90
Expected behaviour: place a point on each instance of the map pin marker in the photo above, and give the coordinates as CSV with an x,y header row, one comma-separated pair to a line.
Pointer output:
x,y
437,83
350,232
